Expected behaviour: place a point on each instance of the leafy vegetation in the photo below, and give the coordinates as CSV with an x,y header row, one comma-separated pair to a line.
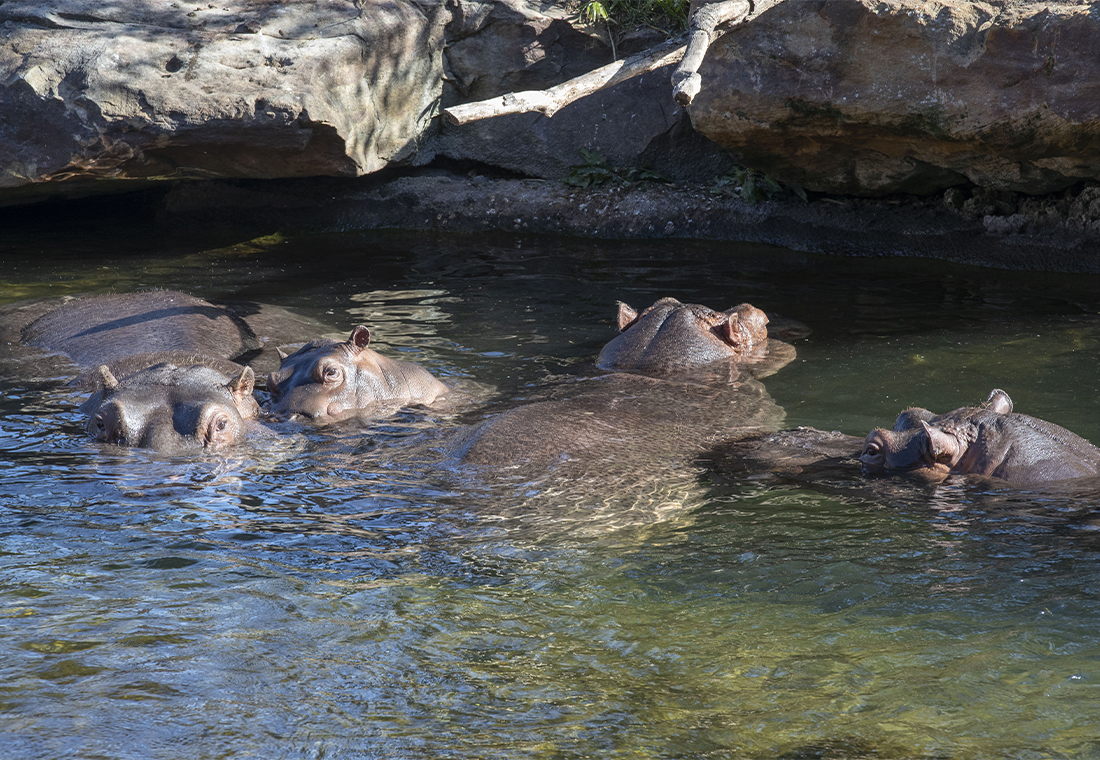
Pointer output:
x,y
596,171
669,16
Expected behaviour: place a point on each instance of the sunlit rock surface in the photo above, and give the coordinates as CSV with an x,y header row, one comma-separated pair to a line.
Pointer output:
x,y
158,88
869,97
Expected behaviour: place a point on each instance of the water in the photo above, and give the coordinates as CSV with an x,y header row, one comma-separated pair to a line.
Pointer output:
x,y
328,594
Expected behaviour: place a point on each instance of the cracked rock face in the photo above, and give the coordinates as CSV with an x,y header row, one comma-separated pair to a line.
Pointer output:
x,y
869,97
127,89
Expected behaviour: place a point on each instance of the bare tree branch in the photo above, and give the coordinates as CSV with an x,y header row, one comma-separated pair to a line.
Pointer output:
x,y
551,100
685,80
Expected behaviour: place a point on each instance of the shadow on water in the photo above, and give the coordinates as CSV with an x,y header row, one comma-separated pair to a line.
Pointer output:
x,y
345,592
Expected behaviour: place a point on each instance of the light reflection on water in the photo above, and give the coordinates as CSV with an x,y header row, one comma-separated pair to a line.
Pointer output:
x,y
329,594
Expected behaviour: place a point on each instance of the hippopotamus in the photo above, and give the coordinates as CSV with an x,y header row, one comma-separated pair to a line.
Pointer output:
x,y
328,380
671,336
800,454
680,376
989,440
173,410
160,362
105,328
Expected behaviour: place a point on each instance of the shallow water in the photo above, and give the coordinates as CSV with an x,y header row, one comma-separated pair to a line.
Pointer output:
x,y
333,594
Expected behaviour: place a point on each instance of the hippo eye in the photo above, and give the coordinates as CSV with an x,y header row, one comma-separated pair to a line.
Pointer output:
x,y
215,430
872,452
330,374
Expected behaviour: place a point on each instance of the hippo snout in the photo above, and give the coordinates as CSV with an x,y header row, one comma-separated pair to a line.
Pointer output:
x,y
872,457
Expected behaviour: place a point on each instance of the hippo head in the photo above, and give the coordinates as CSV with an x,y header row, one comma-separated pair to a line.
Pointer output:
x,y
172,410
328,380
670,336
909,448
926,445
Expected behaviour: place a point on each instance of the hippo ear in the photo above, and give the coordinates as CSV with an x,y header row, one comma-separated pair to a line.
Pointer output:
x,y
627,316
942,446
106,379
743,327
242,383
360,337
282,354
909,419
998,402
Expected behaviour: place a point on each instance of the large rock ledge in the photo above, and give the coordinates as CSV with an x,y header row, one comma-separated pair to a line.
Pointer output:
x,y
156,88
871,97
254,103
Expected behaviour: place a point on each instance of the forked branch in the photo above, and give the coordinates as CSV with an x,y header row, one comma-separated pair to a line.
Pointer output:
x,y
686,82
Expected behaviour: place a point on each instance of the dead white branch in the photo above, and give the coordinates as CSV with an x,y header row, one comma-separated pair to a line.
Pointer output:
x,y
551,100
685,80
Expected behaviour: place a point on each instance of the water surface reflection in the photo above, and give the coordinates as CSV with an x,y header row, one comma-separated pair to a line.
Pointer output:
x,y
335,593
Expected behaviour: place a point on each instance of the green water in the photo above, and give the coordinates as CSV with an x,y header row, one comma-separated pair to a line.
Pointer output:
x,y
322,594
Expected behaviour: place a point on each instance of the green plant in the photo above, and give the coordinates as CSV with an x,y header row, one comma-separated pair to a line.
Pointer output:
x,y
596,171
670,16
594,11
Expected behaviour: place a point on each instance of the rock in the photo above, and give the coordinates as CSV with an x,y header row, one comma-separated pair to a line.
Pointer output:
x,y
869,97
495,48
1006,225
156,88
511,46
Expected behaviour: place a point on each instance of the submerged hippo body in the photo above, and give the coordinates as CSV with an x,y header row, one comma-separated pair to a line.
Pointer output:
x,y
328,380
989,440
173,410
107,328
682,376
620,419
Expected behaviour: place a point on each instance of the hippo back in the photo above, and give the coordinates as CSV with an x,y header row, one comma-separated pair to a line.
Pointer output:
x,y
103,329
624,421
1024,450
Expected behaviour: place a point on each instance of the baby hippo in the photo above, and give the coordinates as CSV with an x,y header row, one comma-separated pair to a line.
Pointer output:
x,y
987,440
671,336
173,410
328,380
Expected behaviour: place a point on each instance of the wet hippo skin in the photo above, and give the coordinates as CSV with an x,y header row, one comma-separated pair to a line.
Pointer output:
x,y
103,329
173,410
669,336
683,375
159,365
802,453
328,380
989,440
